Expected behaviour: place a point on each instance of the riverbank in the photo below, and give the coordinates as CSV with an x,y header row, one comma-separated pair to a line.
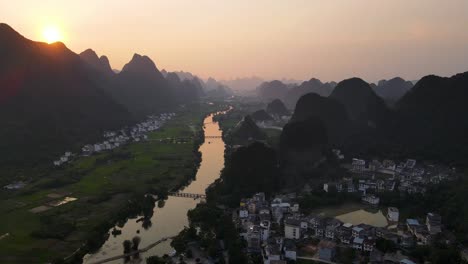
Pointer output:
x,y
170,218
103,185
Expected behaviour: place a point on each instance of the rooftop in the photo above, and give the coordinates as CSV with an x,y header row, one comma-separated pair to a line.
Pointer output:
x,y
410,221
358,240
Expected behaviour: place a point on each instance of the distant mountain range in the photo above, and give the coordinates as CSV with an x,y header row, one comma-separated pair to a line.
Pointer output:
x,y
393,89
425,123
52,99
289,93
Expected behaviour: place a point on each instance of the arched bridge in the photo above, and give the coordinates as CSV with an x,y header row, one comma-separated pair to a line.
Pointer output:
x,y
188,195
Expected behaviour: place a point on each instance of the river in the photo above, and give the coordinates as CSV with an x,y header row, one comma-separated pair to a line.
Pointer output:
x,y
172,217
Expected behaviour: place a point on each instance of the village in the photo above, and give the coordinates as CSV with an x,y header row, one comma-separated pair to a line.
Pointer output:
x,y
115,139
373,177
279,231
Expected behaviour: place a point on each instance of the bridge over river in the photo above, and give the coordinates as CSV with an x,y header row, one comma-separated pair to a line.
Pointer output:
x,y
188,195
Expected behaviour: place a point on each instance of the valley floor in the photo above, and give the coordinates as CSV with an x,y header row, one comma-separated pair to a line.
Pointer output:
x,y
34,228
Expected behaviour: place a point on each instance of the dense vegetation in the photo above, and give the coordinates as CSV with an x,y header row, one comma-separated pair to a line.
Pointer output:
x,y
214,225
248,170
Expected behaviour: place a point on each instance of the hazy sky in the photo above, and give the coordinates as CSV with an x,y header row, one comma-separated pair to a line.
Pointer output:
x,y
328,39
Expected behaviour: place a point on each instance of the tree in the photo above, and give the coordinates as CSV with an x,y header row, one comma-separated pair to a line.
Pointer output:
x,y
127,245
135,242
385,245
155,260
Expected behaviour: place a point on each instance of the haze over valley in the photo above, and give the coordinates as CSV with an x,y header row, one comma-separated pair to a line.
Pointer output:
x,y
234,132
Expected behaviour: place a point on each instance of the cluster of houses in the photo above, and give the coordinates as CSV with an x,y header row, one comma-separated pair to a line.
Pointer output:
x,y
260,223
115,139
373,177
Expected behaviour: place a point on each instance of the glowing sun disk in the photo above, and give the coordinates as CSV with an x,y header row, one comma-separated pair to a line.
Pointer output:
x,y
51,34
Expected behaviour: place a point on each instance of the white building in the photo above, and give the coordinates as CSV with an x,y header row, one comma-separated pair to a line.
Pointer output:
x,y
393,214
292,229
243,213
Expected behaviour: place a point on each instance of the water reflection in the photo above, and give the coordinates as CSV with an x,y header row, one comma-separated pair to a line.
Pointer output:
x,y
171,218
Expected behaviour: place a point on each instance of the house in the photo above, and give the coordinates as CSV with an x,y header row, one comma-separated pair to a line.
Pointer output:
x,y
271,253
344,230
243,212
254,239
320,230
412,224
369,244
371,199
406,240
389,164
292,229
423,236
259,197
330,232
357,231
290,250
327,250
277,214
358,243
433,223
252,207
410,163
264,230
346,239
393,214
294,208
381,232
375,165
358,165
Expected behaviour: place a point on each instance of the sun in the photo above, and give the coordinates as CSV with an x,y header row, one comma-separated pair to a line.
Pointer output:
x,y
51,34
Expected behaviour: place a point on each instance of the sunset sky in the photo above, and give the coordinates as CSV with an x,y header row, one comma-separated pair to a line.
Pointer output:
x,y
300,39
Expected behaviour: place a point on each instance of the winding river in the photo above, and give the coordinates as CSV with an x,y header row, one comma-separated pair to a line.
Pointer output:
x,y
172,217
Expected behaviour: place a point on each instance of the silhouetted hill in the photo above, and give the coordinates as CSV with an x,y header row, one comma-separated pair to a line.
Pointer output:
x,y
392,90
430,117
268,91
311,86
301,148
247,130
220,92
331,112
49,101
361,102
276,107
101,64
185,90
142,88
261,115
243,84
211,84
